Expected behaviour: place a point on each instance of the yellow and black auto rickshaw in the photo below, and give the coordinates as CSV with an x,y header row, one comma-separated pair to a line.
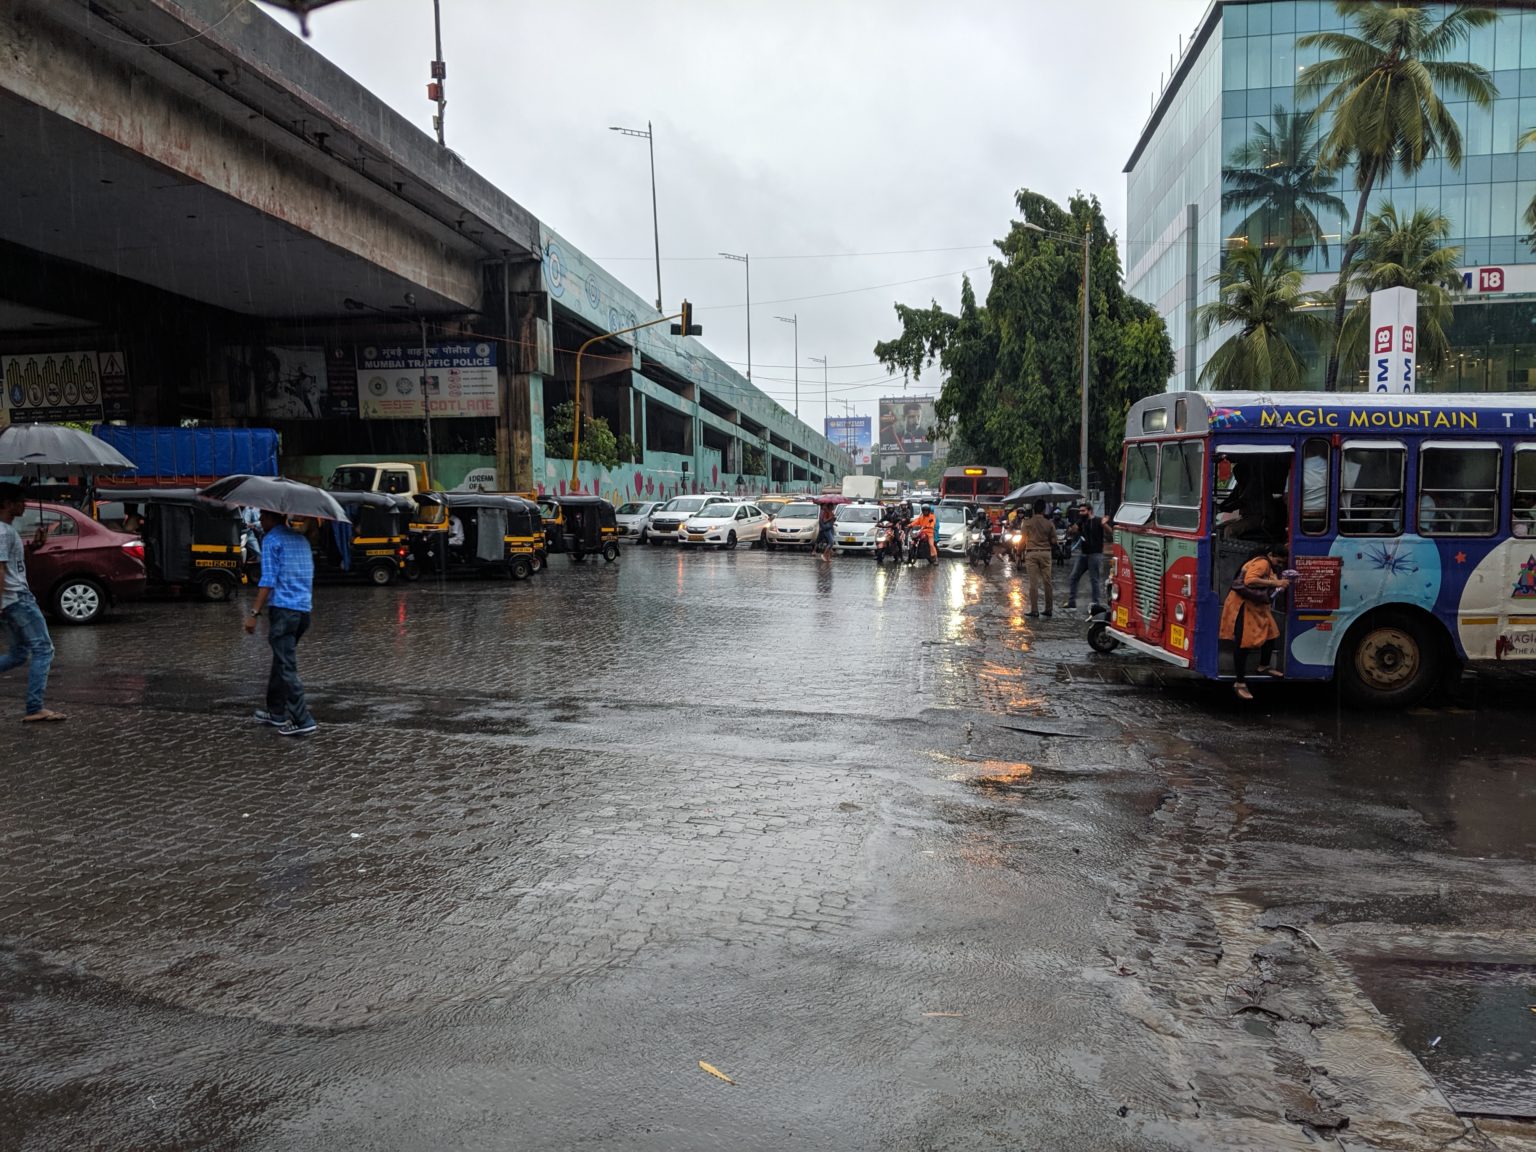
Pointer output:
x,y
371,544
580,526
189,542
464,533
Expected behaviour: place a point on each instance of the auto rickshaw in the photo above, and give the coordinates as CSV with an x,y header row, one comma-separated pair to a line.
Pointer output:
x,y
580,526
370,544
460,533
189,542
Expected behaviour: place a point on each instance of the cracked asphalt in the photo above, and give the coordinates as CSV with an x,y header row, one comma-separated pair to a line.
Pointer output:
x,y
914,871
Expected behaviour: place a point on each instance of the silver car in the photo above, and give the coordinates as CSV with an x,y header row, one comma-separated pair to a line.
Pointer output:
x,y
634,519
794,526
856,527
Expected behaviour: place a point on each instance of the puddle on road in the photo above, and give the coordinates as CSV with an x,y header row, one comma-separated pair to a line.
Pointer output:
x,y
1485,1060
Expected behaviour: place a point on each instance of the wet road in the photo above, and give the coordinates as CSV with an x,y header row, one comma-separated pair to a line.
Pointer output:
x,y
915,871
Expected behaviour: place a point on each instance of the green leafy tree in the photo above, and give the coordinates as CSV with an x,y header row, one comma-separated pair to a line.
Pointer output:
x,y
598,443
1405,252
1260,294
753,462
1526,138
1383,88
1277,178
1011,367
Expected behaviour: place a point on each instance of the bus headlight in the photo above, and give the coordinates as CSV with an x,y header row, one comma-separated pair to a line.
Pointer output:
x,y
1114,591
1178,613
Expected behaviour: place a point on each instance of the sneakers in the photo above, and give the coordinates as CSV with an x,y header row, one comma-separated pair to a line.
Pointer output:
x,y
262,716
289,728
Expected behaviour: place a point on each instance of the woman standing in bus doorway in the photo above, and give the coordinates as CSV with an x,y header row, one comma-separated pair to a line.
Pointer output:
x,y
1246,618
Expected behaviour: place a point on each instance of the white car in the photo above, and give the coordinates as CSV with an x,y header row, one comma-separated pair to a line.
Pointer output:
x,y
634,519
667,519
953,525
854,529
795,525
725,525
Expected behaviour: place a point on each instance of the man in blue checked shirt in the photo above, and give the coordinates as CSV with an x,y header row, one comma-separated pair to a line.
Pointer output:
x,y
287,581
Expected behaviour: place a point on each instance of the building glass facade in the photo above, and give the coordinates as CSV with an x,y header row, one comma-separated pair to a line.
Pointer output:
x,y
1224,162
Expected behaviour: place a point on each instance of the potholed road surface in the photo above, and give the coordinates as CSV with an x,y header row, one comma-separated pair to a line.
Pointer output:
x,y
914,871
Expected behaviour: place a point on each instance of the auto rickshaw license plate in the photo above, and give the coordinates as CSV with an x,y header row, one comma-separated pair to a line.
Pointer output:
x,y
1122,617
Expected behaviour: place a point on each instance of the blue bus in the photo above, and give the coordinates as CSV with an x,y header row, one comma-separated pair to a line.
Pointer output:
x,y
1410,522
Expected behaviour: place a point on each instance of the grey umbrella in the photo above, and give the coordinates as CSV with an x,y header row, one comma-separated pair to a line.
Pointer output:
x,y
38,449
276,494
1040,490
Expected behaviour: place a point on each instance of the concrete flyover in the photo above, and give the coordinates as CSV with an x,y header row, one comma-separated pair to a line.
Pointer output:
x,y
229,229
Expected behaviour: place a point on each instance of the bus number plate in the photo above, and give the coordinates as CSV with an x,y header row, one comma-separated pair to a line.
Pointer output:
x,y
1177,638
1122,617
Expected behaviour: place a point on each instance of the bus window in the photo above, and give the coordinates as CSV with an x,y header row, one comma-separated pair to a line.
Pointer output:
x,y
1371,490
1140,473
1523,507
1458,489
1314,487
1178,490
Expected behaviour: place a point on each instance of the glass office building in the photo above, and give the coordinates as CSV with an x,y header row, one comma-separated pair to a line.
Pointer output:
x,y
1224,161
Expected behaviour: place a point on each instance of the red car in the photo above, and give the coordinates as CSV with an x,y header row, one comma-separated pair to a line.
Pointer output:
x,y
81,567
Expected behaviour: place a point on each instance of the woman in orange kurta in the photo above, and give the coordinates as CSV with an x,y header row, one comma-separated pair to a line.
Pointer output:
x,y
1246,619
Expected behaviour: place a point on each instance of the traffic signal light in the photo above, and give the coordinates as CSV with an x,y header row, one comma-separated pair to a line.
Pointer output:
x,y
687,327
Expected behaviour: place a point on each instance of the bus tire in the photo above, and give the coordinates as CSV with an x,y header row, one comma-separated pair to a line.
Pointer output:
x,y
1390,659
521,567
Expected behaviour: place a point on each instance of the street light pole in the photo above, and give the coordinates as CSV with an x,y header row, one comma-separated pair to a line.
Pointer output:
x,y
826,402
439,72
795,320
426,401
650,138
746,260
1082,443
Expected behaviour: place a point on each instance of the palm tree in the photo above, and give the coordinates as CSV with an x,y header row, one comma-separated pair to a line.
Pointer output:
x,y
1382,87
1405,252
1276,174
1260,292
1529,137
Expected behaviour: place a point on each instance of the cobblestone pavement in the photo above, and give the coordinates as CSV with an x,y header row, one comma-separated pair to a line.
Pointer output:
x,y
915,871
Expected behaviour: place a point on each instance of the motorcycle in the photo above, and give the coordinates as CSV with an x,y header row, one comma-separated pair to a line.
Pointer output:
x,y
1013,544
889,546
919,544
1099,637
978,548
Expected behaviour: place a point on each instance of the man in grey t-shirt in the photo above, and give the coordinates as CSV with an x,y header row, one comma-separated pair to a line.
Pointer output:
x,y
23,619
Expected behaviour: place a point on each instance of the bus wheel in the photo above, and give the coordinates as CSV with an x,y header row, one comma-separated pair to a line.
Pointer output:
x,y
1389,661
218,588
522,567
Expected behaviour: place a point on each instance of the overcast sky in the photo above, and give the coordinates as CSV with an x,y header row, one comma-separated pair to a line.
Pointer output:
x,y
787,130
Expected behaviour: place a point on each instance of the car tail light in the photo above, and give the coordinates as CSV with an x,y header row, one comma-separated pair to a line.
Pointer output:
x,y
135,548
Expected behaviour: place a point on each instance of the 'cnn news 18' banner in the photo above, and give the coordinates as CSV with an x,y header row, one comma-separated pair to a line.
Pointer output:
x,y
1394,315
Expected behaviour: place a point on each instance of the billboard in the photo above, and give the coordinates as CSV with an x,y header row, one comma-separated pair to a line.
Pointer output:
x,y
850,433
461,376
906,425
54,386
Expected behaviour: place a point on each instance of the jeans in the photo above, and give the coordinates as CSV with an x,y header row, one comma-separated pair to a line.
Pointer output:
x,y
285,691
29,642
1093,565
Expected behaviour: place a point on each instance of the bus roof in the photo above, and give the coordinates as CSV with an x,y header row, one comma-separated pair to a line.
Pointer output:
x,y
978,471
1290,413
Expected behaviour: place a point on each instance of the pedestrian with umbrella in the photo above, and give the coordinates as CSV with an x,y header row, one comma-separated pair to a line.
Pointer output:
x,y
286,589
35,450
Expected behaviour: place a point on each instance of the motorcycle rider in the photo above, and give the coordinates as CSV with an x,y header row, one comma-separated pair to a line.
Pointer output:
x,y
923,533
982,523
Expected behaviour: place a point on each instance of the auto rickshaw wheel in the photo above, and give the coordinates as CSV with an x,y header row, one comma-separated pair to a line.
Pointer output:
x,y
610,552
217,589
381,574
521,567
412,569
578,557
540,561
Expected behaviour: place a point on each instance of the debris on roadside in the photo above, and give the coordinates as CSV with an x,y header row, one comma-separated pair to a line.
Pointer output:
x,y
715,1072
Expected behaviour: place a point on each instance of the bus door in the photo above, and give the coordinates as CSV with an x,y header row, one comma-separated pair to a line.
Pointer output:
x,y
1252,486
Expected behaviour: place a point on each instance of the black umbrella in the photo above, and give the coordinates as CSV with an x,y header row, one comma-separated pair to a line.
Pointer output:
x,y
36,449
1040,490
276,494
